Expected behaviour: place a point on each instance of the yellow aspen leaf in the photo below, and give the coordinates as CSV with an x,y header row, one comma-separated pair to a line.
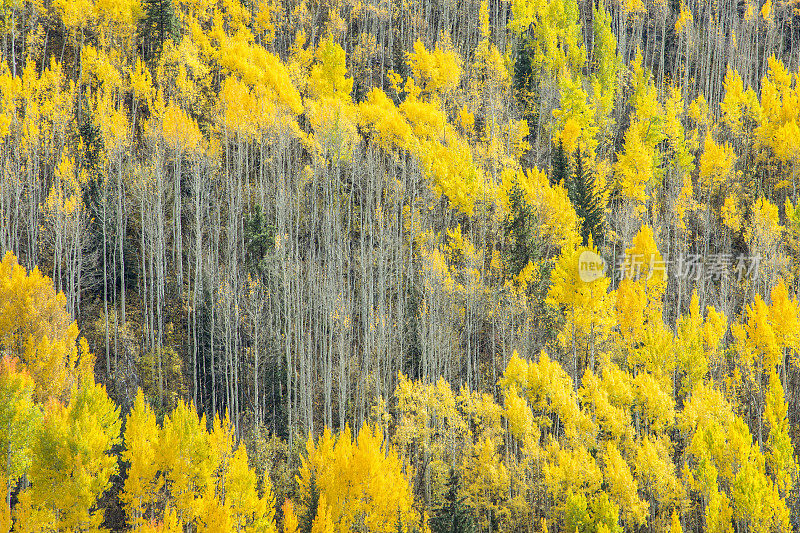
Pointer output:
x,y
290,521
36,328
328,76
716,163
359,481
180,131
436,72
142,484
20,418
731,216
623,487
73,465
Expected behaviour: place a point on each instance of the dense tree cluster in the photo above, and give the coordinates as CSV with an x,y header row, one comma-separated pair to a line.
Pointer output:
x,y
332,260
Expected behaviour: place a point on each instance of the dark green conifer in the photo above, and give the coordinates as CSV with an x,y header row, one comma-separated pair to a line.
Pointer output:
x,y
559,166
259,238
158,25
453,516
525,78
311,502
584,198
519,228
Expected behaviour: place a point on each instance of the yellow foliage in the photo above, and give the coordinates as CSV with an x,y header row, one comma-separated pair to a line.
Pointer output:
x,y
75,15
764,235
731,216
548,390
606,396
361,480
570,470
623,486
142,484
778,125
685,19
122,12
784,316
436,72
290,521
656,471
180,131
575,119
262,71
766,10
635,169
140,81
328,75
380,115
64,201
264,22
655,404
96,63
780,452
555,214
452,171
716,163
640,293
738,104
20,419
486,481
73,465
584,303
518,413
36,328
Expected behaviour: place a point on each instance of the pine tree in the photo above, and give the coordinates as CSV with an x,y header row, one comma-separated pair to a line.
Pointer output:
x,y
259,238
453,516
524,79
311,504
559,167
586,202
158,26
520,230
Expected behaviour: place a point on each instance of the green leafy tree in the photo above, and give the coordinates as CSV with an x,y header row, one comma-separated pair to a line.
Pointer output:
x,y
19,420
311,504
525,78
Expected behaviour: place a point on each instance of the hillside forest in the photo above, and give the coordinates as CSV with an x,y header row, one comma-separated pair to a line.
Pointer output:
x,y
427,266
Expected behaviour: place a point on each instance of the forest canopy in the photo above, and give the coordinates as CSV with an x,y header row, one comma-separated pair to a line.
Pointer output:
x,y
419,266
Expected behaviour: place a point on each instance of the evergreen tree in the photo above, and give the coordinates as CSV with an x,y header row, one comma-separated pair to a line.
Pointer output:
x,y
519,228
559,167
454,515
259,239
158,25
311,505
524,79
586,202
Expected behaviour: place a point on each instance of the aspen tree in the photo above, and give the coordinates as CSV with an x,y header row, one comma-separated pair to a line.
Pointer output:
x,y
19,418
143,483
585,305
72,466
